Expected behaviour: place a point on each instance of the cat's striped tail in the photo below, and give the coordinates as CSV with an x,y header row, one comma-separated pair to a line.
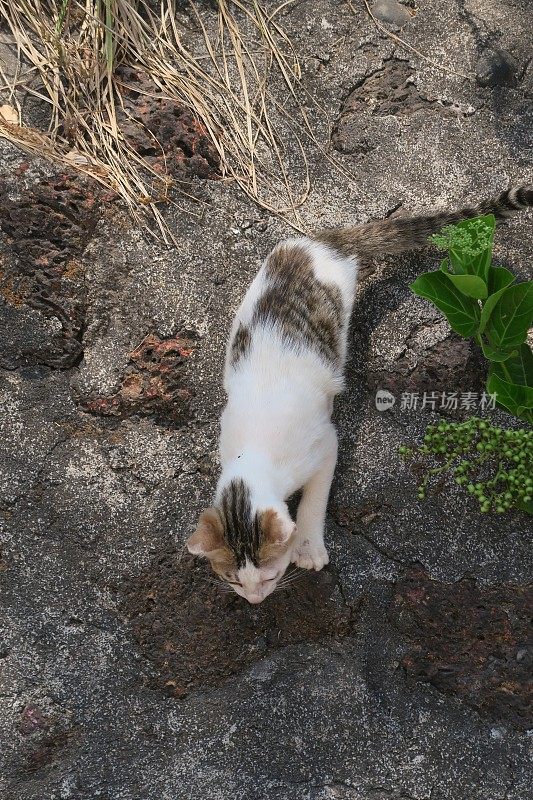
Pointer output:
x,y
403,233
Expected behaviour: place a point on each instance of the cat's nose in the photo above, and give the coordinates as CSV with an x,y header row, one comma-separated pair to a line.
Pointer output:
x,y
254,598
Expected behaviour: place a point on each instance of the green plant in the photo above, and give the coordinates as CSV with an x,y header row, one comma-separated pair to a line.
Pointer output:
x,y
494,465
482,301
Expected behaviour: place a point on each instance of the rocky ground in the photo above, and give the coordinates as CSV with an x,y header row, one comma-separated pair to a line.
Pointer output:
x,y
401,670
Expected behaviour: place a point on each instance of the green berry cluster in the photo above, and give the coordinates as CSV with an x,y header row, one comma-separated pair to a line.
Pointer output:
x,y
494,465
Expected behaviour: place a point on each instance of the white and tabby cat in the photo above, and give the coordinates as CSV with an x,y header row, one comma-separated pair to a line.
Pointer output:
x,y
284,366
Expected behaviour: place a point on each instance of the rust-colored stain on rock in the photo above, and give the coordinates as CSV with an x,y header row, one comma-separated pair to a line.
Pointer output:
x,y
469,641
197,634
165,133
48,751
152,382
32,719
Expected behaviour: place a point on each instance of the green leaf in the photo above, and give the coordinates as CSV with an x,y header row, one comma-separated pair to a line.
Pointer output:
x,y
488,307
483,301
512,382
511,317
109,44
462,312
520,369
458,261
471,285
514,399
499,278
496,355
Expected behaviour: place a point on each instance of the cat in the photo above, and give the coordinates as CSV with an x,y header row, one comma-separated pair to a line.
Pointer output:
x,y
284,365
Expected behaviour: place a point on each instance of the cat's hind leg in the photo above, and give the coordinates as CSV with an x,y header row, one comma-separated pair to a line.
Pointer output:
x,y
309,551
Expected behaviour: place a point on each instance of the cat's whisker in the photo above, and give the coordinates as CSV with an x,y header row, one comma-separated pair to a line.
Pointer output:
x,y
294,573
281,584
297,579
293,577
287,582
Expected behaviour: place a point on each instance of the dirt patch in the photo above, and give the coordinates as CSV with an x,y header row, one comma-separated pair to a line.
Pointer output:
x,y
152,383
390,90
47,229
451,365
197,635
469,641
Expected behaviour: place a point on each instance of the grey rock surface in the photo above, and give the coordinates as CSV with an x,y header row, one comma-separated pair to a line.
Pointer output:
x,y
398,672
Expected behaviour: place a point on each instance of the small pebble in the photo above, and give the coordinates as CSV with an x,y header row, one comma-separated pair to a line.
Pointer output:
x,y
522,654
391,12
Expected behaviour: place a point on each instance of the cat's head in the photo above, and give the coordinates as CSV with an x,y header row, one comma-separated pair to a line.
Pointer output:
x,y
248,548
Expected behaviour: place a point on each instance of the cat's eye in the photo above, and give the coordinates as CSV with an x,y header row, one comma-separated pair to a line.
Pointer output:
x,y
233,583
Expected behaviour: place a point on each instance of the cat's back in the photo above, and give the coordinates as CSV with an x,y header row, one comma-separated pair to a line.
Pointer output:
x,y
295,314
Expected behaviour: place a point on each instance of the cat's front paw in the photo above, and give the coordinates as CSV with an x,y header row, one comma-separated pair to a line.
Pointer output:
x,y
309,554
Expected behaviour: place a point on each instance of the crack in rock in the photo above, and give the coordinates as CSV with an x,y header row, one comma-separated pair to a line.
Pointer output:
x,y
355,518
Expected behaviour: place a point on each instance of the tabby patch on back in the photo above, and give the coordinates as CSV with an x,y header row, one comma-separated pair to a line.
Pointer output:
x,y
306,310
284,365
303,309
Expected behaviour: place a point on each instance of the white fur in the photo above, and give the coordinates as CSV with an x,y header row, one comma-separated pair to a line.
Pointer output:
x,y
276,431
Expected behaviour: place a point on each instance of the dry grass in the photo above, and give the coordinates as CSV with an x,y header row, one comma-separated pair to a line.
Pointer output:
x,y
70,51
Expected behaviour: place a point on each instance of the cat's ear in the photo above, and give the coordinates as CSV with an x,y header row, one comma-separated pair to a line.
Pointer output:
x,y
277,527
209,534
